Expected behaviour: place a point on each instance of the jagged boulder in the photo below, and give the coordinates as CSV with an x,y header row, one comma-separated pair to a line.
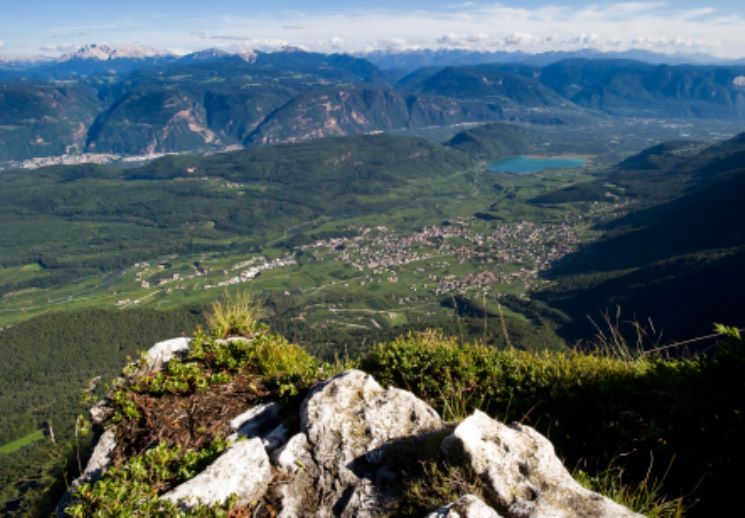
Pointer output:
x,y
101,456
467,506
524,478
99,460
346,424
100,412
263,421
350,416
242,470
295,461
255,420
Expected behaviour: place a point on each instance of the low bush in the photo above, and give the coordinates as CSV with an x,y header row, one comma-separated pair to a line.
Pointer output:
x,y
133,488
598,410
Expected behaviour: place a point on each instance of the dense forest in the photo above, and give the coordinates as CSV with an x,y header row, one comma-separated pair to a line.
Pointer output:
x,y
52,368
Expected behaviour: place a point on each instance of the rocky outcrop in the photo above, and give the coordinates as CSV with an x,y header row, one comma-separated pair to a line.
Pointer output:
x,y
152,360
100,460
242,470
160,353
348,422
101,456
350,417
523,475
344,452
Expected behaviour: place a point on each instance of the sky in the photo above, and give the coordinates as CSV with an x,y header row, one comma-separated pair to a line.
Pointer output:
x,y
54,27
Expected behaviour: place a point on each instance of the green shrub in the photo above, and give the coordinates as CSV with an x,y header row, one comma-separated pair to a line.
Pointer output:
x,y
598,410
457,379
133,489
281,367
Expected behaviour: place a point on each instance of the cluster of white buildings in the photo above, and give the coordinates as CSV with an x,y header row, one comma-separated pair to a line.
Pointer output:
x,y
252,272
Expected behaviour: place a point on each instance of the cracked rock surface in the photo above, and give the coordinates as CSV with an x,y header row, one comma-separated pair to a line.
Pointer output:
x,y
523,475
242,470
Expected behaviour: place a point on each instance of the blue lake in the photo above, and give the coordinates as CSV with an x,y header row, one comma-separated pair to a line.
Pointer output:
x,y
528,164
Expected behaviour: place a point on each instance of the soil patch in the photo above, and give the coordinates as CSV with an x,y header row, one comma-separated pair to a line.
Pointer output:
x,y
189,421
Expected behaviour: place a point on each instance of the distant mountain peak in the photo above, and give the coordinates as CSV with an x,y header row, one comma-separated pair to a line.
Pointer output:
x,y
290,49
106,52
247,55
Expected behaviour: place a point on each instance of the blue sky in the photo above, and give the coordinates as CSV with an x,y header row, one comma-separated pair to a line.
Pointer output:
x,y
49,27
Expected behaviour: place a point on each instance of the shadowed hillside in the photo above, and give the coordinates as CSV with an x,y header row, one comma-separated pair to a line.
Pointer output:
x,y
677,258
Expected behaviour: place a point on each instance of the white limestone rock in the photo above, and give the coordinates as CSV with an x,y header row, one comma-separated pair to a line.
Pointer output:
x,y
160,353
276,438
101,456
351,415
261,421
467,506
243,469
295,460
348,421
293,455
100,460
524,477
255,420
101,412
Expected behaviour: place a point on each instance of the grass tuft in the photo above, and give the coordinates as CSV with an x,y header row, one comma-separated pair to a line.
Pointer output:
x,y
645,496
234,316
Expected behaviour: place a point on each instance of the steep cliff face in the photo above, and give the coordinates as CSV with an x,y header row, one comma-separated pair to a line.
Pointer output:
x,y
349,111
230,440
152,120
44,119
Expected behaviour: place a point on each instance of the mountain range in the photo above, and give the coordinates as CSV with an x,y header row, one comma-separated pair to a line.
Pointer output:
x,y
136,102
408,61
397,60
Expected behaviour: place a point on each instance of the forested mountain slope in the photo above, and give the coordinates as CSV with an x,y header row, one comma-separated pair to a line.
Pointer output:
x,y
677,258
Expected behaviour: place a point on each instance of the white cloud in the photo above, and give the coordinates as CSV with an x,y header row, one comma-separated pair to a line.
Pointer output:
x,y
699,12
585,39
522,39
59,49
220,37
262,44
651,25
336,43
476,40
